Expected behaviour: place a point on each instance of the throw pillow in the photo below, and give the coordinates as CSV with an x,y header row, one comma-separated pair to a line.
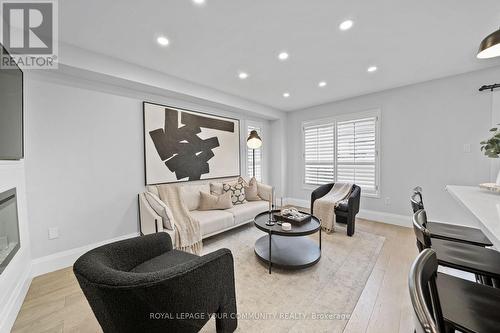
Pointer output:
x,y
210,201
161,209
242,180
216,188
237,192
251,191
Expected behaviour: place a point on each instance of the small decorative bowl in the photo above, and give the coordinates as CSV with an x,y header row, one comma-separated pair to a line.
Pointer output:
x,y
492,187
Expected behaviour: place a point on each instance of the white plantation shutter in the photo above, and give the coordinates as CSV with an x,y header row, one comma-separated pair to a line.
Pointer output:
x,y
258,157
343,149
357,153
319,154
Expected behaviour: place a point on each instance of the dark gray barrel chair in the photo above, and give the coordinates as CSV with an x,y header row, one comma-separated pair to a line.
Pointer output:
x,y
143,285
346,211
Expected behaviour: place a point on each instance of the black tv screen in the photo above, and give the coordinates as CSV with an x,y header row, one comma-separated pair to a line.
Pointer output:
x,y
11,111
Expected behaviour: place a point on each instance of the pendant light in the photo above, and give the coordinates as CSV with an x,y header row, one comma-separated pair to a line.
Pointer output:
x,y
490,46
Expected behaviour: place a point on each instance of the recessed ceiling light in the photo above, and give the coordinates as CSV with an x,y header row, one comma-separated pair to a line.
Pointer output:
x,y
286,94
283,56
346,25
163,41
243,75
372,69
199,2
322,84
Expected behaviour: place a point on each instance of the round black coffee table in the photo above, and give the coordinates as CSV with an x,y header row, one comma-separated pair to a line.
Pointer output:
x,y
288,249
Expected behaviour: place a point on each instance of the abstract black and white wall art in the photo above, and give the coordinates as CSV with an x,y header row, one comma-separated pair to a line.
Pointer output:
x,y
183,145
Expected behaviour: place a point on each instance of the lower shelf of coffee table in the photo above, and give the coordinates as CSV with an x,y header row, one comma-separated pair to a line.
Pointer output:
x,y
288,252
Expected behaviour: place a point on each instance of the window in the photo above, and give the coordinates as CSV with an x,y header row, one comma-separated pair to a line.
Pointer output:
x,y
343,149
258,156
319,152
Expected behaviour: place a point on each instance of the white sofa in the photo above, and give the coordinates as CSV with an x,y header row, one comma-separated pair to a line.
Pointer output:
x,y
212,222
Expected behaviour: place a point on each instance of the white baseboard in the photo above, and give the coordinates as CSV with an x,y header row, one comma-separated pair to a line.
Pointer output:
x,y
384,217
372,215
59,260
13,305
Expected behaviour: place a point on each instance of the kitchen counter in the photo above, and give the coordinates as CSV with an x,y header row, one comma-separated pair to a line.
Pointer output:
x,y
484,205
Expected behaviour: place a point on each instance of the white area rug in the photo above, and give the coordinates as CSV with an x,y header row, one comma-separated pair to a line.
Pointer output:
x,y
320,298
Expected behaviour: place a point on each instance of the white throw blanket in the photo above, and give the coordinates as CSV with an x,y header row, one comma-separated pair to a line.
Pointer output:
x,y
187,228
324,207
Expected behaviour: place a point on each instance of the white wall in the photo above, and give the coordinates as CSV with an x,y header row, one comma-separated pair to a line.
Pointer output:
x,y
15,279
423,131
85,163
495,120
278,146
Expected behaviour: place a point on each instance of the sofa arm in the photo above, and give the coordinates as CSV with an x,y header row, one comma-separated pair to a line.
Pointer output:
x,y
110,264
150,221
265,192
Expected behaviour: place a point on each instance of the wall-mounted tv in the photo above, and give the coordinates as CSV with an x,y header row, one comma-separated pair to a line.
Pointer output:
x,y
11,111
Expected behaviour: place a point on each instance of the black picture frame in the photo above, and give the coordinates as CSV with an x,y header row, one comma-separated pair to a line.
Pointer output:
x,y
21,156
191,111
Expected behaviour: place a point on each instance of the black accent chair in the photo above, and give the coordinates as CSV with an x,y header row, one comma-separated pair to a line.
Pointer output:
x,y
484,263
451,232
346,211
143,285
444,303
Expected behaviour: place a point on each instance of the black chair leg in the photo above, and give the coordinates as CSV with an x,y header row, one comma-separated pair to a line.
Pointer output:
x,y
350,226
225,320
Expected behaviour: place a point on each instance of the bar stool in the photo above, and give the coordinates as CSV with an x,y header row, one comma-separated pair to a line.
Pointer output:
x,y
483,262
443,303
451,232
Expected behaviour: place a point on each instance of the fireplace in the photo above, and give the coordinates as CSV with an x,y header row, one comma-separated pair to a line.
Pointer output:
x,y
9,228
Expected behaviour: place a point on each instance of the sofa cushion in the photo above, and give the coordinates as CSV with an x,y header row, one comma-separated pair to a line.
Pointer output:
x,y
213,220
164,261
190,194
247,211
212,201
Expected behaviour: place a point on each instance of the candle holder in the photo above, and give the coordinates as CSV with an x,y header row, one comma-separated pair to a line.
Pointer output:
x,y
270,223
272,220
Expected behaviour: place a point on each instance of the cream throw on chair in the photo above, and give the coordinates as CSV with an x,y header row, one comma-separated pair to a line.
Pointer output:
x,y
187,229
324,207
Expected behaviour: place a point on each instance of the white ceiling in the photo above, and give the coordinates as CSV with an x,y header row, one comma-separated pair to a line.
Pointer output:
x,y
409,41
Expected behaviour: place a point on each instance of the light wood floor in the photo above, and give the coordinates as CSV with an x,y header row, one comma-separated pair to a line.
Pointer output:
x,y
55,303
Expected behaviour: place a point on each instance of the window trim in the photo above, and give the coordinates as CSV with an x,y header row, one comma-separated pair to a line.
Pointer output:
x,y
335,119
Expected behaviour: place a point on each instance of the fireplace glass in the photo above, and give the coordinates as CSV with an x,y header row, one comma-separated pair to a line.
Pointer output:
x,y
9,228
